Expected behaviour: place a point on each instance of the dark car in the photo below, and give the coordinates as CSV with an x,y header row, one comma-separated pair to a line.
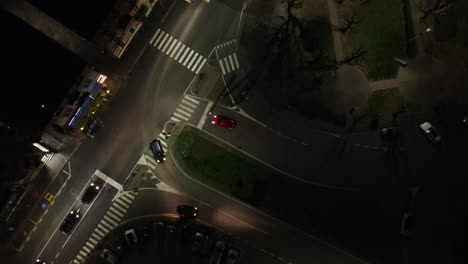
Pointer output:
x,y
223,121
217,253
186,236
171,236
159,231
198,240
131,237
91,192
119,246
187,211
390,133
158,151
108,256
94,128
146,234
39,261
70,221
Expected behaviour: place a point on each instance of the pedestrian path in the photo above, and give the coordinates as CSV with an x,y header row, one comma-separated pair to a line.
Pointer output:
x,y
227,58
178,51
185,109
110,221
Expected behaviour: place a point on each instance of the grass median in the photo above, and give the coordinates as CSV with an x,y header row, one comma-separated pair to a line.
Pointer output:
x,y
241,177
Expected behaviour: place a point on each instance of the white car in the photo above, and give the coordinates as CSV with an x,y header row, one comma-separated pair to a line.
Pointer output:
x,y
430,132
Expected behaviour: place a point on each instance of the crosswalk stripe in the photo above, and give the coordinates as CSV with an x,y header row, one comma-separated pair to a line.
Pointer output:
x,y
79,257
108,219
91,246
164,149
222,67
172,46
175,49
225,60
122,203
159,38
186,108
116,212
232,62
164,143
93,241
103,228
180,111
125,199
96,236
196,63
86,249
181,116
236,61
76,261
113,216
180,51
169,41
130,195
201,65
174,119
193,60
191,99
188,103
99,232
117,206
107,224
163,40
82,253
154,36
183,55
188,57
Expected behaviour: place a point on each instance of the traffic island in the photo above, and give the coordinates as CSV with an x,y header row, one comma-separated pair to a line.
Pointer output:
x,y
334,215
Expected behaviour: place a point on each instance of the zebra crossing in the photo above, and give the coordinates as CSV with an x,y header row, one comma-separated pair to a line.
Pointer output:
x,y
228,63
178,51
110,221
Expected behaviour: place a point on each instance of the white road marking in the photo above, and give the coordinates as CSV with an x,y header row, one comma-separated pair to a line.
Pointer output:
x,y
154,36
113,216
180,111
99,232
108,219
180,51
196,63
125,199
169,41
222,67
103,228
201,65
195,56
180,116
236,61
122,203
89,245
109,180
96,236
175,49
116,212
186,108
191,99
204,116
183,55
188,103
94,241
227,65
232,62
164,143
172,46
163,40
188,57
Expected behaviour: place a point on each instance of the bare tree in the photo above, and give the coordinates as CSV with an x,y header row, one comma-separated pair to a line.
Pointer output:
x,y
356,56
434,7
350,21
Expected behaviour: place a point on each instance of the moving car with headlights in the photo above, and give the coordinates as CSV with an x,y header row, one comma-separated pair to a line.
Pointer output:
x,y
187,211
223,121
158,151
91,192
70,221
430,132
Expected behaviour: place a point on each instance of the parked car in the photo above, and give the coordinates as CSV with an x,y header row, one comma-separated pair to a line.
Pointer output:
x,y
131,237
406,224
198,240
232,256
389,133
223,121
218,251
119,246
94,128
108,256
70,221
158,151
91,192
145,233
171,236
187,211
159,229
186,236
430,132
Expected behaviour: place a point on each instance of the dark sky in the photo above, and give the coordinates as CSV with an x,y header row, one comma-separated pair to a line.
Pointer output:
x,y
38,71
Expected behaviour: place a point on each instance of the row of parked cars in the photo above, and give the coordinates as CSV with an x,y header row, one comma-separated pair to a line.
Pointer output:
x,y
184,235
393,133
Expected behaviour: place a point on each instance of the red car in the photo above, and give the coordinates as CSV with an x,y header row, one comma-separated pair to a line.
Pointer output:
x,y
223,121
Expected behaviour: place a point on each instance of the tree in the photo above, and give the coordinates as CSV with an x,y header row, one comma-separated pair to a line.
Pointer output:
x,y
356,56
434,8
350,21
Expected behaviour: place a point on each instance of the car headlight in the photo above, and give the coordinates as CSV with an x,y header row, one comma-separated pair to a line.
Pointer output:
x,y
164,158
